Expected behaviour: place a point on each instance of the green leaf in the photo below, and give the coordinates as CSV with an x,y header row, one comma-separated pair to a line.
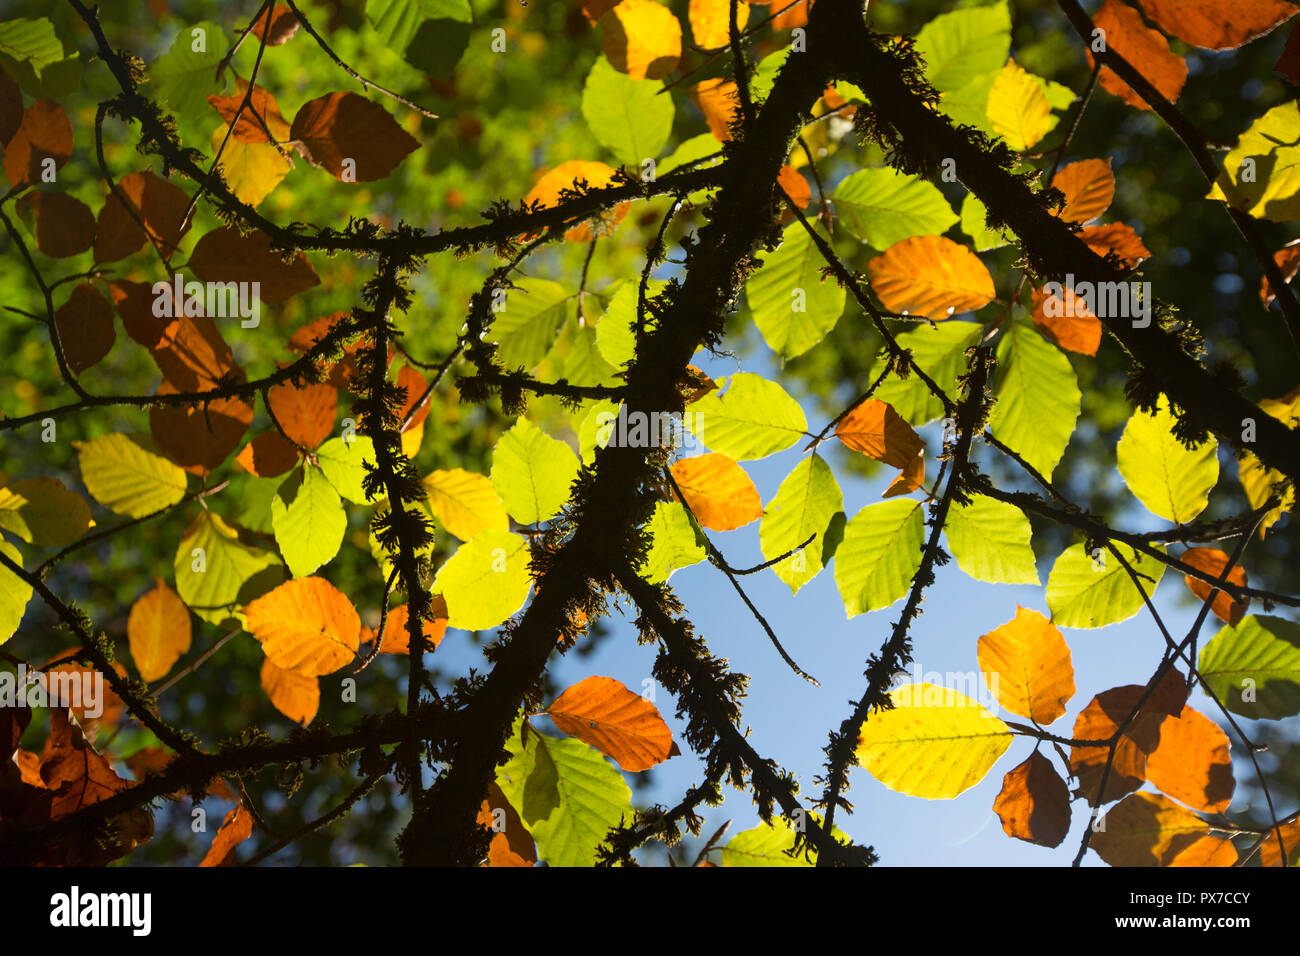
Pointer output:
x,y
309,521
673,543
1261,174
485,581
760,84
793,308
184,78
526,328
1254,668
431,35
43,512
883,206
697,147
1173,481
991,541
1038,398
38,60
747,417
969,104
125,477
577,359
880,552
1082,592
568,796
807,500
768,844
14,593
615,332
961,45
595,425
343,462
532,472
216,572
974,222
941,351
627,116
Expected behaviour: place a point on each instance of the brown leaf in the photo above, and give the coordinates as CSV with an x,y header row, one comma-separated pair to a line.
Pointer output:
x,y
511,845
1271,855
1288,64
44,133
235,829
1192,763
795,186
305,412
354,139
65,226
1213,561
1145,50
293,693
718,491
111,704
268,455
1034,804
13,721
1119,238
601,712
1218,24
223,255
283,25
1199,849
153,201
1140,829
85,327
134,302
909,479
11,107
877,431
1026,663
1288,261
200,437
71,767
1099,721
1089,187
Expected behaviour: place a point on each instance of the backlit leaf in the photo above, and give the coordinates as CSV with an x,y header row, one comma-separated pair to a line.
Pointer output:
x,y
43,512
641,38
216,572
1141,829
1213,562
223,255
1254,667
305,625
1089,187
532,472
485,581
1026,663
1083,592
930,276
1038,398
1215,24
748,417
125,477
1018,108
601,712
804,505
883,206
309,521
1146,50
352,138
717,490
1034,803
878,555
293,693
158,629
1173,481
627,116
1192,762
673,543
793,307
465,503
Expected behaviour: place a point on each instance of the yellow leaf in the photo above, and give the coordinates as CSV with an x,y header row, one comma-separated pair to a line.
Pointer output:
x,y
251,170
718,491
711,22
934,742
465,503
642,39
1026,664
930,276
158,629
601,712
306,625
717,100
1018,109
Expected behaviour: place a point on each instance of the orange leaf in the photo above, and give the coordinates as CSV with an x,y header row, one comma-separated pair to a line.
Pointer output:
x,y
44,133
1146,829
65,226
641,38
601,712
409,378
711,22
1065,320
85,327
153,201
717,100
1200,849
260,115
351,137
1213,561
284,24
73,769
1218,24
511,845
307,625
787,16
1287,259
1119,238
595,9
1089,187
1191,762
292,693
879,432
908,480
1101,719
158,629
547,189
1144,49
1271,855
930,276
718,491
268,455
397,637
340,369
306,412
111,704
235,829
192,354
1026,663
792,181
223,255
1034,803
